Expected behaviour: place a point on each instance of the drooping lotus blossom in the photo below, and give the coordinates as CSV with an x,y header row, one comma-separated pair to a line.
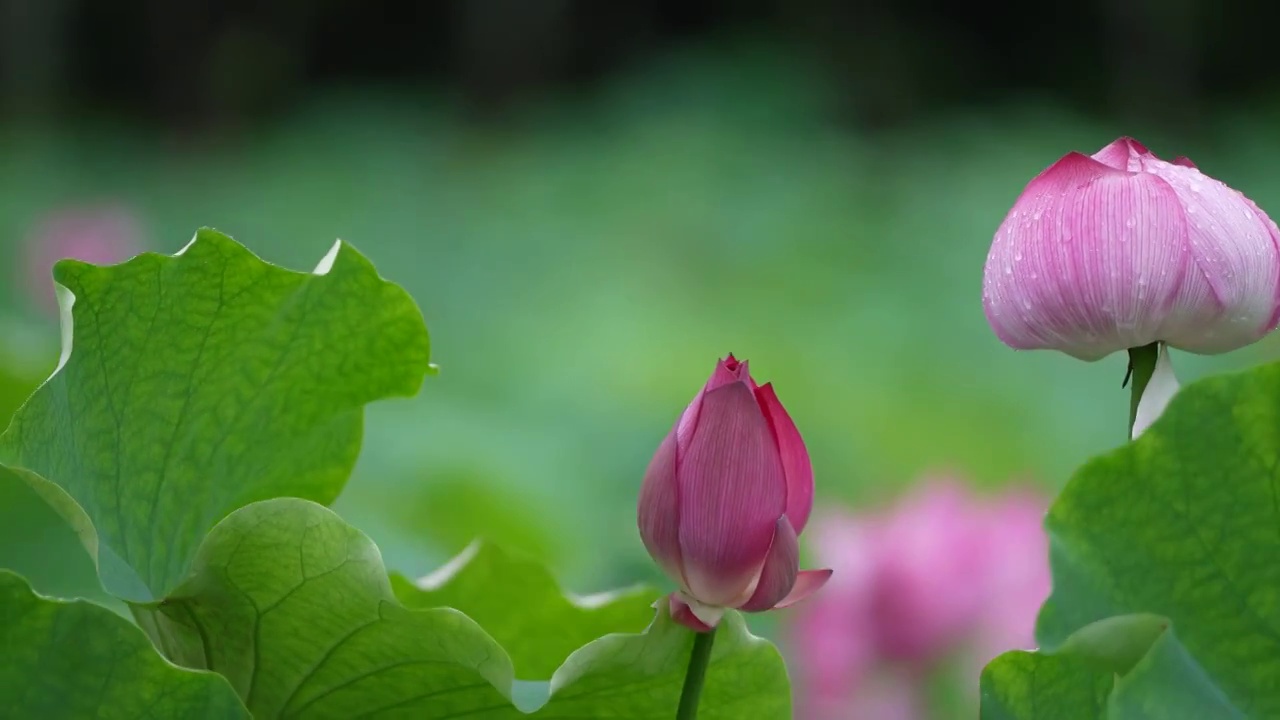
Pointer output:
x,y
1121,249
942,573
725,499
100,234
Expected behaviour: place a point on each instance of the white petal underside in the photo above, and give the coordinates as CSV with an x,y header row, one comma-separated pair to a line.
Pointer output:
x,y
1159,391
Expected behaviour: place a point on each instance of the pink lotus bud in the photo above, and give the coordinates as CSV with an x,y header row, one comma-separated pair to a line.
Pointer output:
x,y
725,499
96,234
1122,249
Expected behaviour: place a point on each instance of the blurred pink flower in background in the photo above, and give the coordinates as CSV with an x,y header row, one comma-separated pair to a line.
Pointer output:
x,y
1017,575
942,574
887,697
97,233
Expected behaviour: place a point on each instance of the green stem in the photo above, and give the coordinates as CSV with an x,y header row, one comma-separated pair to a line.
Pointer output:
x,y
1142,363
695,675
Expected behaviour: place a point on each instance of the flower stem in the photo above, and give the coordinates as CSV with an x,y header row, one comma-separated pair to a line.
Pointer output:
x,y
695,675
1142,363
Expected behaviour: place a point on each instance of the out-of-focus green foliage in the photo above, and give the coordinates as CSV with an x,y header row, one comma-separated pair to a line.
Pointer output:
x,y
583,266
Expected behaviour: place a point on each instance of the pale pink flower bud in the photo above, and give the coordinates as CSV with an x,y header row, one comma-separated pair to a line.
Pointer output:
x,y
725,499
1122,249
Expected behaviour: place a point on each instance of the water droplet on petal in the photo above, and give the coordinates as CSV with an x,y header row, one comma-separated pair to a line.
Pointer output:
x,y
1130,222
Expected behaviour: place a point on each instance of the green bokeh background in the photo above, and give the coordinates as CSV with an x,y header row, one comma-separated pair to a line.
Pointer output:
x,y
582,266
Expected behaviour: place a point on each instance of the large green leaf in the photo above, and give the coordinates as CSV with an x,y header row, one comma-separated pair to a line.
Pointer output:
x,y
1128,667
639,677
1184,523
34,540
1035,686
294,606
194,384
545,626
39,538
64,660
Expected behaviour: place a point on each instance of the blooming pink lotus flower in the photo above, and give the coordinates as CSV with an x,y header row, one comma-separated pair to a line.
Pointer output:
x,y
942,573
725,499
1121,250
100,234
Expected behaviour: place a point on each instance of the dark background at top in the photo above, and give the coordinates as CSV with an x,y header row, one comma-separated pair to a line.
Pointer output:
x,y
201,63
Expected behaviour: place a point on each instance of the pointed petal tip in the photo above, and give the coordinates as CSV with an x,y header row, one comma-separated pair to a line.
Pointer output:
x,y
1070,171
1120,151
1134,145
808,582
741,369
728,370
